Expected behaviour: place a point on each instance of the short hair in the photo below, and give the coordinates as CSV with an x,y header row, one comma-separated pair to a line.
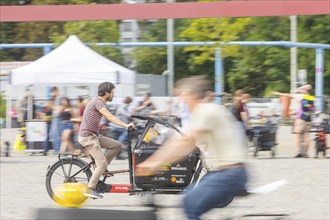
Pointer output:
x,y
105,87
54,88
196,84
128,100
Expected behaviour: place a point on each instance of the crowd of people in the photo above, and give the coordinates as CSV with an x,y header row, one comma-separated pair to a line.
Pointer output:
x,y
63,119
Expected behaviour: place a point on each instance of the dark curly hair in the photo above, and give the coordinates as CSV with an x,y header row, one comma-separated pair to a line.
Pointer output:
x,y
105,87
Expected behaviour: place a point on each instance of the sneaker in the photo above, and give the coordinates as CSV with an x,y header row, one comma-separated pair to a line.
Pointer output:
x,y
92,193
298,155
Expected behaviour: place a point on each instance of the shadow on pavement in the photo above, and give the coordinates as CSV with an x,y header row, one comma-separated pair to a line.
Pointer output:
x,y
95,214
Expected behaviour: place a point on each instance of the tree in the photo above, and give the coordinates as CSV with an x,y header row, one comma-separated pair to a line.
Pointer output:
x,y
56,32
93,32
260,70
314,29
154,59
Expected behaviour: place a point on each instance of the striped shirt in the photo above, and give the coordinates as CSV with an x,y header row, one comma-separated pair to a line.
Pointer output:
x,y
91,118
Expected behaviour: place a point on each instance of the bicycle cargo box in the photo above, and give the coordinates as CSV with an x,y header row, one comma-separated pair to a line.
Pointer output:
x,y
177,176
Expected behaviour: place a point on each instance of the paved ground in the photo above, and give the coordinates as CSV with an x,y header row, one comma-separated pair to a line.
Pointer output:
x,y
306,196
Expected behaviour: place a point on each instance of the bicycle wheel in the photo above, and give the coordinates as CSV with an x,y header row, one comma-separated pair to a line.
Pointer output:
x,y
59,173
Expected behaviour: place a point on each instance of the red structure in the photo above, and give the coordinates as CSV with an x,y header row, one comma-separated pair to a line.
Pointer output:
x,y
163,10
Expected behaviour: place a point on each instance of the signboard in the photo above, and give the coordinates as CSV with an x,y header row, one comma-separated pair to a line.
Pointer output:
x,y
36,131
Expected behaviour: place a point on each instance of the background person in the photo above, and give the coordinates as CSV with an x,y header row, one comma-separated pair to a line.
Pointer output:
x,y
239,108
302,122
92,141
66,113
146,107
224,152
119,133
47,114
55,129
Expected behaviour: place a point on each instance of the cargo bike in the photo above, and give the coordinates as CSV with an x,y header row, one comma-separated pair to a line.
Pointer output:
x,y
141,144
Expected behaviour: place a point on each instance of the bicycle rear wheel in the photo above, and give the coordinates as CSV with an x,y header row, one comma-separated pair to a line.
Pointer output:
x,y
61,171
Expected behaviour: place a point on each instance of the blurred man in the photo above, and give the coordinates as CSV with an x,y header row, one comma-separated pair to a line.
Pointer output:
x,y
224,150
92,141
304,108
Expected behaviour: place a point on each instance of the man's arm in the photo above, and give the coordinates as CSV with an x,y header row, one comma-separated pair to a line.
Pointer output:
x,y
113,119
283,94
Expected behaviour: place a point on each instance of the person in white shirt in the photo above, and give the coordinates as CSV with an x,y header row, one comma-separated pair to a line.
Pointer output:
x,y
224,149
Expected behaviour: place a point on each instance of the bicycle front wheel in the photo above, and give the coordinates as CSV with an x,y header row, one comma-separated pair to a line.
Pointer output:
x,y
67,170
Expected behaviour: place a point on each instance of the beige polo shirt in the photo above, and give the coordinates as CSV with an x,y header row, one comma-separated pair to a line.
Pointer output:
x,y
225,142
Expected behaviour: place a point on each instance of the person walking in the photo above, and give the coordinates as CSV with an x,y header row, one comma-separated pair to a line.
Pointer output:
x,y
239,108
224,151
66,113
55,129
92,141
120,133
304,103
47,117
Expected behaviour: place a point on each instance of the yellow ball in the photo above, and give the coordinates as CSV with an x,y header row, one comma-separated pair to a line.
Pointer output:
x,y
70,195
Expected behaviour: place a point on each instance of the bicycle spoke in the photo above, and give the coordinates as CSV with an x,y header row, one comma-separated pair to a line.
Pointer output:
x,y
65,175
56,173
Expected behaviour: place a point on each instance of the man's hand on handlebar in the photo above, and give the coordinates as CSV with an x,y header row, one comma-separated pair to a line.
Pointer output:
x,y
130,127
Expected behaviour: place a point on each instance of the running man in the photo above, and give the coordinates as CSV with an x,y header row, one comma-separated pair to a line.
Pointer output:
x,y
92,141
224,150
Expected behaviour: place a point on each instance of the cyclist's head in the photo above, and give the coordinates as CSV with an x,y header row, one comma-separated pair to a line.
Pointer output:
x,y
197,85
105,87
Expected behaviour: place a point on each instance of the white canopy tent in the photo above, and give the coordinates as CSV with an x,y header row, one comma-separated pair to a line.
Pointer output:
x,y
74,63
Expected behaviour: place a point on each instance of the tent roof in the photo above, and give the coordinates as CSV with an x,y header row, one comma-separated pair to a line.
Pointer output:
x,y
72,63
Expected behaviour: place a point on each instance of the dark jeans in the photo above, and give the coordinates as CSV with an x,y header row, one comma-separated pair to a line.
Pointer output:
x,y
120,134
47,144
214,189
55,134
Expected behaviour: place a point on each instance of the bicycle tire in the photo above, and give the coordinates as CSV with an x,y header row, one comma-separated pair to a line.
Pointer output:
x,y
56,168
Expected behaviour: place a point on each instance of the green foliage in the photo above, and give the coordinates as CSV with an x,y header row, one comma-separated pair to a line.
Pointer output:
x,y
57,32
214,29
258,70
93,32
261,70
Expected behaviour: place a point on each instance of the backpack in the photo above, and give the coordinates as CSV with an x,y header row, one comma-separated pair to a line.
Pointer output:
x,y
307,107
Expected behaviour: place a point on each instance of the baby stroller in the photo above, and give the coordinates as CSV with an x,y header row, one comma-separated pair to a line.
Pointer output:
x,y
321,129
263,138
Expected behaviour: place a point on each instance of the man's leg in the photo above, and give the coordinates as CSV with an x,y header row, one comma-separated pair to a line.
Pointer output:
x,y
112,146
93,148
214,189
298,129
306,138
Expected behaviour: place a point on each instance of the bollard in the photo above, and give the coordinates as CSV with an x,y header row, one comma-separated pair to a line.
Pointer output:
x,y
7,149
